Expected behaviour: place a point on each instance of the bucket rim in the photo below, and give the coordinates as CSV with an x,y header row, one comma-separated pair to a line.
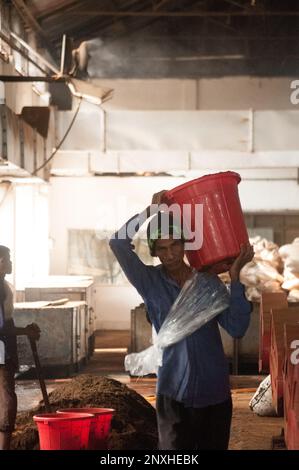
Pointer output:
x,y
212,176
62,416
89,410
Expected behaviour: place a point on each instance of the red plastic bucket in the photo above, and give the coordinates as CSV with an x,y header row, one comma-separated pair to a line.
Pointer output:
x,y
224,228
100,425
65,431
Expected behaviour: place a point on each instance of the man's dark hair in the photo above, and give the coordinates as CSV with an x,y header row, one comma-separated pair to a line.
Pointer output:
x,y
163,225
4,251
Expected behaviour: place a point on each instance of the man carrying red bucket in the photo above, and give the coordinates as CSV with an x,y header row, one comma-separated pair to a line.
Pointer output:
x,y
194,406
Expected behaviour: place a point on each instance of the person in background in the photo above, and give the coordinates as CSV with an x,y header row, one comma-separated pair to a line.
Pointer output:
x,y
194,406
8,352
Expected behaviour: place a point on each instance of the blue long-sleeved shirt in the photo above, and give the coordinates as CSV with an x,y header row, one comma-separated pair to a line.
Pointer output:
x,y
195,370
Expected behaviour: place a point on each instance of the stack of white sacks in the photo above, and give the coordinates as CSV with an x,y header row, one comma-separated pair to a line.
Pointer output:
x,y
290,256
272,269
264,272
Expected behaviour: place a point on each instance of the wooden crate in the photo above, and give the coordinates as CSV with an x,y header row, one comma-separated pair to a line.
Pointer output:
x,y
268,300
292,440
290,376
278,319
290,370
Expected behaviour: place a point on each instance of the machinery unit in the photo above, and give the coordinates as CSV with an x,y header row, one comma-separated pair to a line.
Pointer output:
x,y
141,329
74,288
62,345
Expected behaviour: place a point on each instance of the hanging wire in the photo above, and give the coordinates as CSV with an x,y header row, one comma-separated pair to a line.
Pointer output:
x,y
62,140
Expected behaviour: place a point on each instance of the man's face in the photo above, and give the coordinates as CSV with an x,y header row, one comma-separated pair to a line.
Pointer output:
x,y
5,264
170,252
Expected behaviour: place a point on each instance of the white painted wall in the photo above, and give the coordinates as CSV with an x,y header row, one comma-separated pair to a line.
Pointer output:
x,y
24,228
113,306
107,202
7,215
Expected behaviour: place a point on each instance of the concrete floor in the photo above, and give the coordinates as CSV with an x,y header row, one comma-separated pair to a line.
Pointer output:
x,y
248,431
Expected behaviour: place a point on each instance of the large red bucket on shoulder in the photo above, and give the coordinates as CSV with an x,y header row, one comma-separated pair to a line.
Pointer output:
x,y
65,431
100,425
223,226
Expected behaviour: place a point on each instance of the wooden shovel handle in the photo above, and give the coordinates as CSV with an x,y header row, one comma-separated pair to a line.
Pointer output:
x,y
39,375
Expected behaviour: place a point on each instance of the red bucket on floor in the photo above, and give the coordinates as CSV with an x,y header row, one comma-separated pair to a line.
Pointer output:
x,y
223,227
100,425
65,431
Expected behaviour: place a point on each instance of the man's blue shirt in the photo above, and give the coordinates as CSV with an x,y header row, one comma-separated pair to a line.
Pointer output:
x,y
195,370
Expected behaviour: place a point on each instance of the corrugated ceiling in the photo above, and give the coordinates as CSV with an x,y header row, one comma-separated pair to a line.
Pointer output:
x,y
257,37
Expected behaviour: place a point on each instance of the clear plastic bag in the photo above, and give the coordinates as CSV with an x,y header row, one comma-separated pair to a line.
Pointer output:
x,y
202,298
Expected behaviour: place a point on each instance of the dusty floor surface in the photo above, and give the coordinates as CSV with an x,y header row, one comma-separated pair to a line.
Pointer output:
x,y
249,431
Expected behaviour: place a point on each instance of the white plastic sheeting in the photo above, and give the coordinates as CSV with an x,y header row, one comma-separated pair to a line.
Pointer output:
x,y
155,161
165,141
178,130
237,160
276,130
257,165
235,131
86,132
80,162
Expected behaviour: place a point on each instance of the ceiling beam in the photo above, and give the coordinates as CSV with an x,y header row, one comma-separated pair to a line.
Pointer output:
x,y
220,37
237,4
29,19
159,3
58,8
11,43
186,14
30,49
221,24
22,78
